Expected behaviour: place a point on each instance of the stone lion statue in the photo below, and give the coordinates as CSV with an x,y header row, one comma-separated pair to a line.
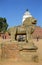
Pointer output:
x,y
26,28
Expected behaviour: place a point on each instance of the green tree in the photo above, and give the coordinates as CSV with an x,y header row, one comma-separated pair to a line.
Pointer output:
x,y
3,24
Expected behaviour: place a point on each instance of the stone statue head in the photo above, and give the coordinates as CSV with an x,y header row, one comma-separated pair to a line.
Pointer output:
x,y
30,21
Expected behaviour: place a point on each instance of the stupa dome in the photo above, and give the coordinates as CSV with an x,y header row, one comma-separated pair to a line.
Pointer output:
x,y
27,14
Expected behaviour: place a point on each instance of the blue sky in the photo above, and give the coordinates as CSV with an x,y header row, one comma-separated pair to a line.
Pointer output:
x,y
13,10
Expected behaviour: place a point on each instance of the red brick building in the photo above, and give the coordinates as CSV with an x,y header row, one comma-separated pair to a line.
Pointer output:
x,y
37,33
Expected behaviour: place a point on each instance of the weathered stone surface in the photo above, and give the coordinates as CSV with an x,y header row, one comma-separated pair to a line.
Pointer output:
x,y
10,51
13,51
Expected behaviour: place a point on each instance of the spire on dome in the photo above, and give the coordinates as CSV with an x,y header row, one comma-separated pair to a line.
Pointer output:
x,y
27,10
27,14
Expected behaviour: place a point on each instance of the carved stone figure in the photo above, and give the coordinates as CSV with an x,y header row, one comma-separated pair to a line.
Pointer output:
x,y
27,28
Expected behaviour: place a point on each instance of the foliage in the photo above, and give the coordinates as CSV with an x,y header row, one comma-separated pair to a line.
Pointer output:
x,y
3,24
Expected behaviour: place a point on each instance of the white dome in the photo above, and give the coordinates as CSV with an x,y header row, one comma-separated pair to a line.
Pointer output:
x,y
26,15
